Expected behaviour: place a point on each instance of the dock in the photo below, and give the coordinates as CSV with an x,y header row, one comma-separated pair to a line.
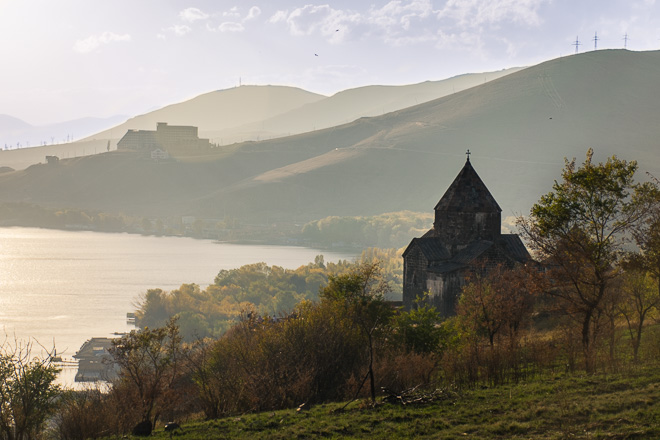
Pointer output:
x,y
95,363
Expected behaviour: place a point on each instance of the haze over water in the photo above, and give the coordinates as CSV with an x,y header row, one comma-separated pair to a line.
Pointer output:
x,y
64,287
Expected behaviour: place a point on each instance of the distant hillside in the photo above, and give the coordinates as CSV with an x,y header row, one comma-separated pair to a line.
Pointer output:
x,y
213,111
220,110
247,113
25,157
15,133
518,127
10,125
349,105
252,113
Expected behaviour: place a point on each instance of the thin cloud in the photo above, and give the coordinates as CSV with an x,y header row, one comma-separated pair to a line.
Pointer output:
x,y
193,14
401,23
321,19
407,22
93,42
279,16
231,27
180,29
475,13
232,13
235,20
400,14
253,13
311,18
393,23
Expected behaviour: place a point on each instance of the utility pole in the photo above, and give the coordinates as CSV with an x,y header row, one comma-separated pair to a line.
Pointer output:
x,y
576,44
596,40
625,41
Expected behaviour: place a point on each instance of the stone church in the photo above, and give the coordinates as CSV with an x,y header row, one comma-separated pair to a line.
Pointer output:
x,y
466,234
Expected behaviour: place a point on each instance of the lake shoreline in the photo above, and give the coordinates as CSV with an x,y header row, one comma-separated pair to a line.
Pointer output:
x,y
64,287
280,241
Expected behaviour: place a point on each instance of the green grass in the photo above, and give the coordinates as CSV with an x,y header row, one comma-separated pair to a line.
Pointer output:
x,y
613,406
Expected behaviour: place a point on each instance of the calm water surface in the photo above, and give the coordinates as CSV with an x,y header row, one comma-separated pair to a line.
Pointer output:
x,y
63,287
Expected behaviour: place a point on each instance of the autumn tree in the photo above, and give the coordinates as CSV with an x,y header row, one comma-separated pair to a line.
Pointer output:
x,y
28,392
362,295
647,237
498,301
579,229
263,363
150,367
641,300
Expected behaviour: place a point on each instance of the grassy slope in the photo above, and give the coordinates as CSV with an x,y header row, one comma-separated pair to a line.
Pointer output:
x,y
554,407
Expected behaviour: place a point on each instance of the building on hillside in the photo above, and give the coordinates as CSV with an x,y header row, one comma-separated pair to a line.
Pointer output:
x,y
159,154
164,139
466,234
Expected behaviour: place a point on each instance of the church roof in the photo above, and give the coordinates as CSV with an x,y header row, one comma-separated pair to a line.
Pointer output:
x,y
468,193
472,251
446,267
509,246
515,247
463,259
431,247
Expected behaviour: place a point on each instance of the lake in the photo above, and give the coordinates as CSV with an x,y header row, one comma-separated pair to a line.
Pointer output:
x,y
63,287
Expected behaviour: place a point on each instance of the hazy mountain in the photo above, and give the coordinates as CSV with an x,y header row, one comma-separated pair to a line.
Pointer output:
x,y
10,125
15,133
518,127
247,113
349,105
220,109
264,112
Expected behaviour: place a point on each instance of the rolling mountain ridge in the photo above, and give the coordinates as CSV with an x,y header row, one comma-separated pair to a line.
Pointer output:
x,y
518,127
246,113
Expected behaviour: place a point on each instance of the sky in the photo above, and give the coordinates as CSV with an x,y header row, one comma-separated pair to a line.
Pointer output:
x,y
67,59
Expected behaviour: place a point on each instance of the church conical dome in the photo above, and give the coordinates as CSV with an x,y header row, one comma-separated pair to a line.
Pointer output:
x,y
468,193
467,211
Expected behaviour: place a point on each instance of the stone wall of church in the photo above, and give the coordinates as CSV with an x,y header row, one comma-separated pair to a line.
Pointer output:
x,y
414,276
444,291
460,228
